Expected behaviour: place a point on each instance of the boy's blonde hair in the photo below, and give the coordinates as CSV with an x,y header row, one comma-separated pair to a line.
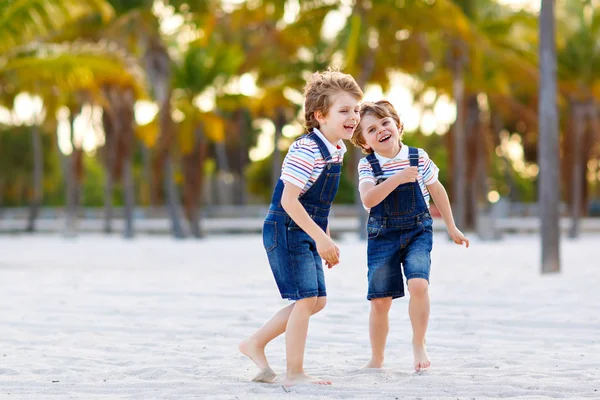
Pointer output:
x,y
380,109
320,89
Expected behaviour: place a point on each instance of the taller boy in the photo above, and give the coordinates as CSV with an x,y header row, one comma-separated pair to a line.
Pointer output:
x,y
295,231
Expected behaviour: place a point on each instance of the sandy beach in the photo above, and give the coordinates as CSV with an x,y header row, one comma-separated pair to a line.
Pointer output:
x,y
153,318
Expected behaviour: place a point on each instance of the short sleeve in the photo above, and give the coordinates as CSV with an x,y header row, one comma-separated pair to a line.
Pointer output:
x,y
365,172
299,163
429,170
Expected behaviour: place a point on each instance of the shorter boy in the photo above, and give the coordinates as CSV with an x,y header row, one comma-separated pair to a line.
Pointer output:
x,y
395,183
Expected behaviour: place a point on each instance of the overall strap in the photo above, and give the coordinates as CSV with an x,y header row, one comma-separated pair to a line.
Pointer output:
x,y
372,159
324,150
413,156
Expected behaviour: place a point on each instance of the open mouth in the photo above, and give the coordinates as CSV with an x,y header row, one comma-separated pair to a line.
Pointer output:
x,y
349,127
384,138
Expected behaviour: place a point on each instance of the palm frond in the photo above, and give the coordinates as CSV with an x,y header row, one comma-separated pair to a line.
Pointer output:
x,y
74,67
26,21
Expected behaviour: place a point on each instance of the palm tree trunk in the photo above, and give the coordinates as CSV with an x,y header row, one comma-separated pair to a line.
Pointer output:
x,y
108,206
129,191
223,174
472,132
548,143
69,167
109,123
595,121
158,68
243,123
193,170
109,180
577,169
172,199
458,136
276,161
38,176
1,196
70,195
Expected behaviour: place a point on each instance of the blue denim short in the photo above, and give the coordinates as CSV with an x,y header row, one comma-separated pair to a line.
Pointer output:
x,y
293,257
397,245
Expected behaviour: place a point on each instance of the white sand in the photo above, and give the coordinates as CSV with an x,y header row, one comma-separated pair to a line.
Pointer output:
x,y
103,318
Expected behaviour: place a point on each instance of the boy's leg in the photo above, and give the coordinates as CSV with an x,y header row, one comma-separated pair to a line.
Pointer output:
x,y
378,330
418,310
417,265
384,284
254,346
295,342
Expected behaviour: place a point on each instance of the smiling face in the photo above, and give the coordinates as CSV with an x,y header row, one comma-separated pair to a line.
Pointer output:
x,y
379,130
341,119
380,135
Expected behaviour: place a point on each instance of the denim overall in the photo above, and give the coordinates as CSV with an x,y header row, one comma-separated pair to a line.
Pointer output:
x,y
292,253
399,232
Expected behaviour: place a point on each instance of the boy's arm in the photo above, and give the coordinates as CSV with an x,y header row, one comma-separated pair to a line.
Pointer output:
x,y
329,265
440,197
325,246
371,194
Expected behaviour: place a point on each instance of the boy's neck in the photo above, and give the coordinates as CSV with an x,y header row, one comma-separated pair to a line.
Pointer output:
x,y
392,152
330,138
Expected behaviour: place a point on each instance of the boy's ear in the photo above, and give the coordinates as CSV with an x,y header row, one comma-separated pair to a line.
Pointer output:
x,y
366,146
319,116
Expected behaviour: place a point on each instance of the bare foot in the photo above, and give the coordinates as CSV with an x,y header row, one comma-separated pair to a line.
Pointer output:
x,y
267,375
422,362
373,364
291,380
257,354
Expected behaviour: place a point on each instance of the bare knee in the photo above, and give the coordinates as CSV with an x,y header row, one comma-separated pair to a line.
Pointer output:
x,y
320,304
418,287
307,304
382,305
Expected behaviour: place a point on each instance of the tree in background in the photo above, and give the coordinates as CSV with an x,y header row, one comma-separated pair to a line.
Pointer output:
x,y
548,155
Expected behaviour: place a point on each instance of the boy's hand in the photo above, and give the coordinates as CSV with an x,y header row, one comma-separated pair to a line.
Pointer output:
x,y
409,174
327,263
457,236
328,251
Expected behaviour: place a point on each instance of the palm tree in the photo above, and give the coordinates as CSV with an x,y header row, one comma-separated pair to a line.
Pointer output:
x,y
34,64
272,46
204,65
65,69
578,71
501,68
137,29
548,153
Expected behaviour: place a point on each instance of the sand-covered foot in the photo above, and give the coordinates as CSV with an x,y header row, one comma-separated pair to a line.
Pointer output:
x,y
257,354
421,362
267,375
293,380
373,364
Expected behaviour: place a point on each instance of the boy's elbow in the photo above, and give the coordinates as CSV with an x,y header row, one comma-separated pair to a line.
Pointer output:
x,y
367,202
435,188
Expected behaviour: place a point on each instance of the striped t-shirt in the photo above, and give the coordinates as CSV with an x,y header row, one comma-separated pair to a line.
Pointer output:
x,y
428,171
304,162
